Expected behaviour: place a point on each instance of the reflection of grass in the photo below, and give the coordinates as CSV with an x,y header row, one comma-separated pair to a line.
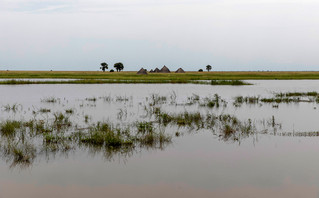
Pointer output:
x,y
13,107
43,110
69,111
49,100
58,132
23,155
148,137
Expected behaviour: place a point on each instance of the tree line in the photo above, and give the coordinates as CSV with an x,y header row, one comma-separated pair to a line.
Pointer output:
x,y
118,66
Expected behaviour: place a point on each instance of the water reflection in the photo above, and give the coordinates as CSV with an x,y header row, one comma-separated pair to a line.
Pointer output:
x,y
58,133
216,148
177,190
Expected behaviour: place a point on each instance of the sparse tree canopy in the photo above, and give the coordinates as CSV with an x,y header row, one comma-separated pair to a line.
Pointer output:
x,y
208,67
119,66
104,66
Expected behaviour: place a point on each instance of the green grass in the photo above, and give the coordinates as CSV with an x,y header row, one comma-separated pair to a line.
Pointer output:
x,y
220,75
9,127
104,135
296,94
97,77
125,81
228,82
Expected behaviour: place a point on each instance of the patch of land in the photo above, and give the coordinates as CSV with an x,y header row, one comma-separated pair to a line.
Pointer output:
x,y
131,75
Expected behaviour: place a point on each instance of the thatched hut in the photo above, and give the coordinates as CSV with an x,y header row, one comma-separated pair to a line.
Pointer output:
x,y
142,71
151,71
180,70
165,70
156,70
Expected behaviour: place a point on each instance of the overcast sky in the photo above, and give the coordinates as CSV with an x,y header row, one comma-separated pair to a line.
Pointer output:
x,y
227,34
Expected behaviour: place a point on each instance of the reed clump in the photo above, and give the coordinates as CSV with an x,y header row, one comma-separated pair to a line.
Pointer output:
x,y
229,82
147,136
50,100
104,135
9,128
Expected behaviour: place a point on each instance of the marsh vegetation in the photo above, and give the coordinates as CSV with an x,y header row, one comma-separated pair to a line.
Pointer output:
x,y
152,123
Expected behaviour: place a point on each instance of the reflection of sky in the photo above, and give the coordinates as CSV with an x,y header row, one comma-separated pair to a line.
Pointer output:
x,y
178,190
196,163
230,35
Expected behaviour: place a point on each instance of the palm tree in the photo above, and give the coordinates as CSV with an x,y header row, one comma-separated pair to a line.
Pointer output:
x,y
208,67
104,66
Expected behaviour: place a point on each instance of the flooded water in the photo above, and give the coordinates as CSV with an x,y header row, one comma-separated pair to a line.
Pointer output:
x,y
278,159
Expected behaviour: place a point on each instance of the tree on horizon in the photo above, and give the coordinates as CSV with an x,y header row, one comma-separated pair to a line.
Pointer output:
x,y
104,66
119,66
208,67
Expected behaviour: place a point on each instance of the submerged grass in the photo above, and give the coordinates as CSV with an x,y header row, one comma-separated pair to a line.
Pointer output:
x,y
283,97
50,100
9,128
13,107
297,94
104,135
57,132
228,82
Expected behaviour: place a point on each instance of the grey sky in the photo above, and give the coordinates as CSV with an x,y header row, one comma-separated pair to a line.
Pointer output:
x,y
229,35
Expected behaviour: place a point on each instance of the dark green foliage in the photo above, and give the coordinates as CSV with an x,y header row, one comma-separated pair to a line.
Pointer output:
x,y
119,66
104,135
104,66
9,127
144,127
228,82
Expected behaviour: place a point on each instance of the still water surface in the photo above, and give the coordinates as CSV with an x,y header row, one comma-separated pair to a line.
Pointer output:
x,y
196,164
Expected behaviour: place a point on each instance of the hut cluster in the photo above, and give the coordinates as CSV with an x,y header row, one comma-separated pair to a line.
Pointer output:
x,y
156,70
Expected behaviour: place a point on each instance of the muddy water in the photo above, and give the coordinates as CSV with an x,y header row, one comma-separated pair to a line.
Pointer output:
x,y
196,164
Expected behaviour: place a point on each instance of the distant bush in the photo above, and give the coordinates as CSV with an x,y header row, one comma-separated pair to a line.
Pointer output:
x,y
200,70
228,82
112,70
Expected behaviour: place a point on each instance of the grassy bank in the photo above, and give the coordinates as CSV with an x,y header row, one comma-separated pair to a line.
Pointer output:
x,y
255,75
115,81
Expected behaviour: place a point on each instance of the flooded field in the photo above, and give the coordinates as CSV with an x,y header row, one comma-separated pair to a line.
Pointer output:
x,y
160,140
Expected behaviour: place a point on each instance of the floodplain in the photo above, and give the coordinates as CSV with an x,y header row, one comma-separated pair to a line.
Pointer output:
x,y
160,140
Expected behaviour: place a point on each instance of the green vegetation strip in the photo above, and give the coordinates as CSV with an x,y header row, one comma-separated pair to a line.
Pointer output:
x,y
240,75
101,81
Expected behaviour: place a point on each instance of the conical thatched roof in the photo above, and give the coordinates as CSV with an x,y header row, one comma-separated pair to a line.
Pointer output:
x,y
142,71
180,70
151,71
165,70
156,70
